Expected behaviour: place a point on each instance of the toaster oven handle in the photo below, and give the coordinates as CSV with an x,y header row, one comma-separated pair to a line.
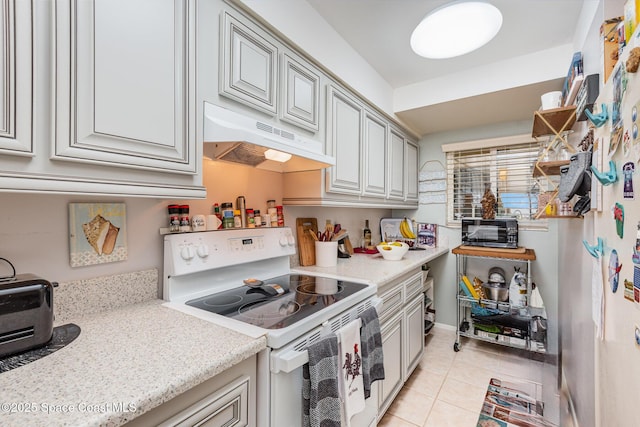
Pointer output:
x,y
13,276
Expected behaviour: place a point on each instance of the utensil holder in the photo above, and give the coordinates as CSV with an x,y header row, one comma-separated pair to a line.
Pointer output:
x,y
326,254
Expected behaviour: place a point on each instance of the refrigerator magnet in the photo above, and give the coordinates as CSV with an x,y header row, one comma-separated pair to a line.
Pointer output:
x,y
628,290
626,144
614,271
628,170
618,216
636,284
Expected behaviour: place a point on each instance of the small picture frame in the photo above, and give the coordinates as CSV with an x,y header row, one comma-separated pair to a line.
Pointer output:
x,y
427,235
97,233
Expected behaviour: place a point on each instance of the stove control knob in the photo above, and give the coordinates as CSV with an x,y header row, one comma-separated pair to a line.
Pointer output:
x,y
290,240
203,251
283,240
187,253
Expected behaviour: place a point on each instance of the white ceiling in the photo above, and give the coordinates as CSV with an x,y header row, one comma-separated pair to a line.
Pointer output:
x,y
379,30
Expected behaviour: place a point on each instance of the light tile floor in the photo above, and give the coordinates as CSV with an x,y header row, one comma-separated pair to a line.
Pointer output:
x,y
448,388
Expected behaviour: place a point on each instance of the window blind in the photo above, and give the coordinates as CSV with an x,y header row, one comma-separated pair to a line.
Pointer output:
x,y
507,170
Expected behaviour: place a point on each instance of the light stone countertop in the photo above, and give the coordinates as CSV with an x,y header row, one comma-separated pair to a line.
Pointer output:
x,y
138,356
372,268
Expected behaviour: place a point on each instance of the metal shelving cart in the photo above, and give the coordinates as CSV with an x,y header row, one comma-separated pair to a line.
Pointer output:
x,y
520,324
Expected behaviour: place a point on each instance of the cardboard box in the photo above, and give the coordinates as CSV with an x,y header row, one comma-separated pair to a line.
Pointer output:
x,y
610,39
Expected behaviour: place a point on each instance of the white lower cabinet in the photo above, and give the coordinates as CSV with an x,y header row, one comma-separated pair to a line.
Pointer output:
x,y
402,329
414,330
228,399
392,337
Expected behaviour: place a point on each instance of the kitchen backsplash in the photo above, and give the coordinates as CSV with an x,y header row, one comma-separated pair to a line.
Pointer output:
x,y
88,296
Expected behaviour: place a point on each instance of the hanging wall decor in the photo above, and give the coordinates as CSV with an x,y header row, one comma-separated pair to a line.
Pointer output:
x,y
614,271
97,233
432,183
627,171
618,216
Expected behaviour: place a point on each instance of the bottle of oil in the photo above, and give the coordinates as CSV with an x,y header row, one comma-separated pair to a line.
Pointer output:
x,y
367,234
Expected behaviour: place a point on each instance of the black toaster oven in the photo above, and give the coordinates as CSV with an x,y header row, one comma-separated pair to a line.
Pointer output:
x,y
490,233
26,313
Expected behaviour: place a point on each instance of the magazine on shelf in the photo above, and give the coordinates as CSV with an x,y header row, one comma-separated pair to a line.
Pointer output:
x,y
573,81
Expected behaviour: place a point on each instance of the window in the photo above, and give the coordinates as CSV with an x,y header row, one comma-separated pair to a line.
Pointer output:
x,y
504,167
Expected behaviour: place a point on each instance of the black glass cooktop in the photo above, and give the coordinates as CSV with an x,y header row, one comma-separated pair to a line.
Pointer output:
x,y
278,302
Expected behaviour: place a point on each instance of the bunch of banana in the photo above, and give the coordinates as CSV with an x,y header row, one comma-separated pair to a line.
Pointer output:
x,y
406,229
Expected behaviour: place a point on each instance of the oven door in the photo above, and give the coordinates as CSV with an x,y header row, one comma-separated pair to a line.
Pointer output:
x,y
286,377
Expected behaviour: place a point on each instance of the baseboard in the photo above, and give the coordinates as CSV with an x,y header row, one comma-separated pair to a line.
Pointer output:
x,y
444,326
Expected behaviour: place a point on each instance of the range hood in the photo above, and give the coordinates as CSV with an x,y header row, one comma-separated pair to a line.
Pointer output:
x,y
233,137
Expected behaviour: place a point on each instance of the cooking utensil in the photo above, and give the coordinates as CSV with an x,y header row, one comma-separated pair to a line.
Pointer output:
x,y
496,291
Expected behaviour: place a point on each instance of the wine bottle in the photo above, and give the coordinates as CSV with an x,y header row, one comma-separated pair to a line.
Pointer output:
x,y
367,234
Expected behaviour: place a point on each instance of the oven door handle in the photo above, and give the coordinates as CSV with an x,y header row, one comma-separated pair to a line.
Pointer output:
x,y
289,361
293,359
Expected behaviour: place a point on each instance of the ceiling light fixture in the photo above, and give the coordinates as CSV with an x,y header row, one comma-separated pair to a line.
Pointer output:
x,y
276,155
455,29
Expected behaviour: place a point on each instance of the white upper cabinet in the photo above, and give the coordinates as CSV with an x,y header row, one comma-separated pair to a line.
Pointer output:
x,y
395,165
300,94
16,79
344,118
248,65
125,83
411,156
375,155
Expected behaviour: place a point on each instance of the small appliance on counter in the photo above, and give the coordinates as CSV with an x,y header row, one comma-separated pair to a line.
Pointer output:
x,y
26,312
490,233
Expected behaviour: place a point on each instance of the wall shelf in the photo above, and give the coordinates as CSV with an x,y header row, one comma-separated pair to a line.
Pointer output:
x,y
549,168
553,121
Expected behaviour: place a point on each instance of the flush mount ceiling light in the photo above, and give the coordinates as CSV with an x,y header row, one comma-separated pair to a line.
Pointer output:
x,y
455,29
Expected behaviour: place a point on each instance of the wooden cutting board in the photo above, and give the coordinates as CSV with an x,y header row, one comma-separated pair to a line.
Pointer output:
x,y
306,243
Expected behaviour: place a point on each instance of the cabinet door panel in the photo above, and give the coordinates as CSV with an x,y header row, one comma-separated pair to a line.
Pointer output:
x,y
375,156
396,166
15,77
392,337
414,340
301,94
343,129
411,171
122,97
248,65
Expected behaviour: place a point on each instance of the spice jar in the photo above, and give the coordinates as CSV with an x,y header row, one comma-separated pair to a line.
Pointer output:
x,y
174,218
273,216
237,219
217,213
251,221
227,215
185,223
257,217
279,216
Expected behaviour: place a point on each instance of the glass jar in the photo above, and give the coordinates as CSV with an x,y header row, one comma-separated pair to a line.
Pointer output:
x,y
273,216
279,216
174,218
227,215
237,219
185,223
271,204
257,217
251,219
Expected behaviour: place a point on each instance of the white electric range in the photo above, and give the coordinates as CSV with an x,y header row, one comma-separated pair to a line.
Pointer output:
x,y
241,279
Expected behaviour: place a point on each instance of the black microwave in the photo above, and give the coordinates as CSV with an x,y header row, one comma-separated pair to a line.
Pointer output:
x,y
490,233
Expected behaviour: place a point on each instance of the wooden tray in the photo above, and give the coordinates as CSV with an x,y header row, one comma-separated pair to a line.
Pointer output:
x,y
306,243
